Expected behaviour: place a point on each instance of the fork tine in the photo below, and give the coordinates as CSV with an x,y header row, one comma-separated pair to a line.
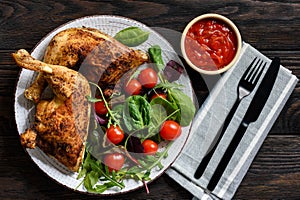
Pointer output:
x,y
247,72
255,70
259,73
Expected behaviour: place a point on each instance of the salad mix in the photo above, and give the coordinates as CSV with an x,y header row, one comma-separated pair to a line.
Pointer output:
x,y
134,129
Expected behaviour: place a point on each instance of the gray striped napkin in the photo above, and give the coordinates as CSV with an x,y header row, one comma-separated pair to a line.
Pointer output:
x,y
209,120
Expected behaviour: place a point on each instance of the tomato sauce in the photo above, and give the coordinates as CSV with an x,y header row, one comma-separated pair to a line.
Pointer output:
x,y
210,44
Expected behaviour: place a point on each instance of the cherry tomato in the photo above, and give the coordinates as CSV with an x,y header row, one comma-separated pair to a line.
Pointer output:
x,y
100,108
158,95
148,78
114,134
114,161
133,87
170,130
150,147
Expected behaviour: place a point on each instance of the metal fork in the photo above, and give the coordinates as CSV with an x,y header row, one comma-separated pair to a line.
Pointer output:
x,y
245,86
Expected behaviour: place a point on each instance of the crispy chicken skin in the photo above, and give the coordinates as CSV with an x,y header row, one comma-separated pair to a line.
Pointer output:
x,y
98,56
61,123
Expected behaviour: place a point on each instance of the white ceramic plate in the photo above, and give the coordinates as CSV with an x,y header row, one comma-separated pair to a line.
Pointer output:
x,y
25,110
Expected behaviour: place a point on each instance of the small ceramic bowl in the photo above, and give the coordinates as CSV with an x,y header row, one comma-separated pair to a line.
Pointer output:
x,y
211,44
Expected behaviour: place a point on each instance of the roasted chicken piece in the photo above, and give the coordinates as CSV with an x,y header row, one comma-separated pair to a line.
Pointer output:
x,y
61,123
98,56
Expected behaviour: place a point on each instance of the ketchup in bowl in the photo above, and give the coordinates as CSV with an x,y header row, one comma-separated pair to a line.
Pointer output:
x,y
211,44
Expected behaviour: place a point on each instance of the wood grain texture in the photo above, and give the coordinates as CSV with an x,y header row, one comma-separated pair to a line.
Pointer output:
x,y
270,26
275,170
260,22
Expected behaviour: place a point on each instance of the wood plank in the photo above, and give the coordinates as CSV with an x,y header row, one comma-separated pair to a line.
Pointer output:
x,y
275,170
251,17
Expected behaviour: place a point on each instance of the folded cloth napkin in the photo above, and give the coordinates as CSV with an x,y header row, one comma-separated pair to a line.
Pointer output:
x,y
209,120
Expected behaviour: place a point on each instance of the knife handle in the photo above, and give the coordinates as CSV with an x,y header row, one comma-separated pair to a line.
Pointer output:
x,y
204,162
227,156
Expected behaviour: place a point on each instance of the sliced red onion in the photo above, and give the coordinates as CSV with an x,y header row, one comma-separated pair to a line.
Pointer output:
x,y
173,70
102,120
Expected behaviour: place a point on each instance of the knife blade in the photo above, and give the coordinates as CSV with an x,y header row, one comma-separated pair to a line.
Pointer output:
x,y
253,111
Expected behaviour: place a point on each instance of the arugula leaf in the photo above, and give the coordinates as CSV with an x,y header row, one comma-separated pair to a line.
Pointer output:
x,y
138,173
91,179
113,117
151,161
92,170
102,188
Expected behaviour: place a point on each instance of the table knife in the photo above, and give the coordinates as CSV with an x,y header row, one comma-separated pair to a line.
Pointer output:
x,y
256,106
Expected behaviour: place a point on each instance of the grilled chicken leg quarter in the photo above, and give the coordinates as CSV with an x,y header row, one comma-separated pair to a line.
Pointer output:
x,y
98,56
61,123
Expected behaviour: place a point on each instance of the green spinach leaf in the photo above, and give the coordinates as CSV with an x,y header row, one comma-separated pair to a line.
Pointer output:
x,y
187,108
136,113
132,36
156,56
163,109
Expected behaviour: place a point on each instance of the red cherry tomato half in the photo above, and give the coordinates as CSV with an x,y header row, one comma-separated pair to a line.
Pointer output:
x,y
170,130
133,87
114,161
148,77
100,108
114,134
150,147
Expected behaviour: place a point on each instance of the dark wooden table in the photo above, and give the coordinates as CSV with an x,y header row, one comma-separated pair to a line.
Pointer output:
x,y
270,26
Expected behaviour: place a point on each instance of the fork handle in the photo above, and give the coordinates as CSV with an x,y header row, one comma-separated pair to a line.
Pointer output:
x,y
204,162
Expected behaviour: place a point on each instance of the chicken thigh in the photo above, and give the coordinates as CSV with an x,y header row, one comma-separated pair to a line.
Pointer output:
x,y
61,123
98,56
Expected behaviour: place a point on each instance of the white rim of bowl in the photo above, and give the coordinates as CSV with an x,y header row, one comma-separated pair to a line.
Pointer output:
x,y
233,27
